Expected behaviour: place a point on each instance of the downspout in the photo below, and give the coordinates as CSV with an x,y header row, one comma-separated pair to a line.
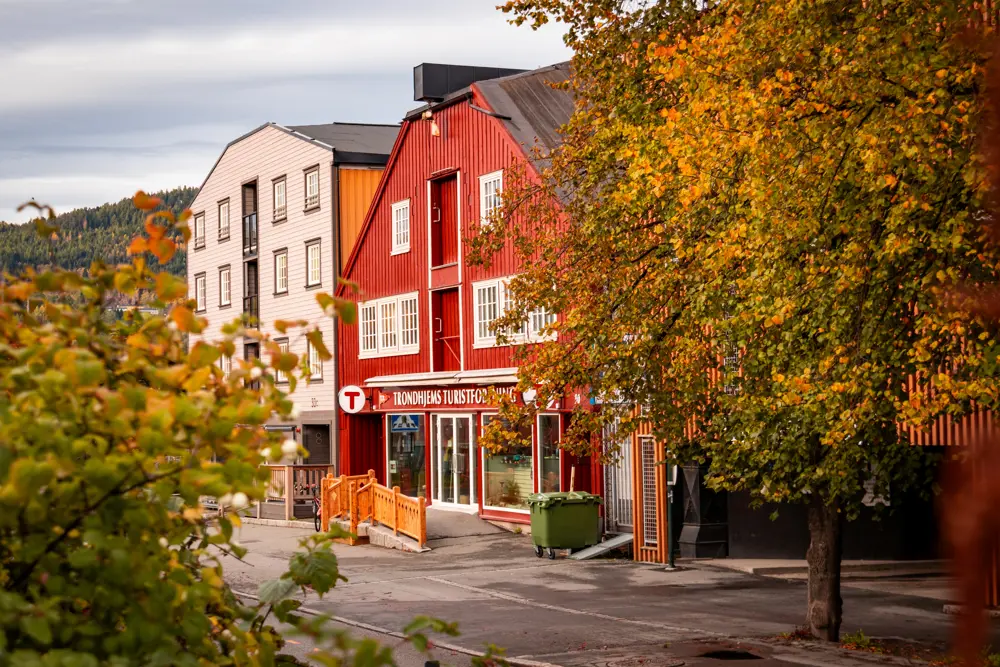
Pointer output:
x,y
335,220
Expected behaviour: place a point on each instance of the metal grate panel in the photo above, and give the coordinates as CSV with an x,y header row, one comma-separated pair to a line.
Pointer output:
x,y
649,509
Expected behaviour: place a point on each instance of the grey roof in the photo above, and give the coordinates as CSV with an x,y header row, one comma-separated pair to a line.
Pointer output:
x,y
532,110
353,142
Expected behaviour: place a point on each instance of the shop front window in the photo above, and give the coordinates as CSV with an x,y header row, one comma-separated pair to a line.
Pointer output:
x,y
407,451
508,477
548,449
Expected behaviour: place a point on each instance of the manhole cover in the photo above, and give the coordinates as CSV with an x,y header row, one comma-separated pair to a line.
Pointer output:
x,y
646,662
729,654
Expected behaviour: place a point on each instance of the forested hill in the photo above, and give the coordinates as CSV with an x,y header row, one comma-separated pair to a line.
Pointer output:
x,y
86,234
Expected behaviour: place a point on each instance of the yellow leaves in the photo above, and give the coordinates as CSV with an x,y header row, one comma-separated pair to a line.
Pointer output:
x,y
183,317
193,514
671,114
144,202
315,338
138,246
890,180
170,287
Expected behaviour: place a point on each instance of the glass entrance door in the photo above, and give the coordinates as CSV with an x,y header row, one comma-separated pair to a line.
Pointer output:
x,y
454,464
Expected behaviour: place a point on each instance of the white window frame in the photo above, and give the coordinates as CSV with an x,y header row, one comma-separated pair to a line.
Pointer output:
x,y
225,286
489,202
312,198
280,210
317,279
281,280
281,377
200,293
224,229
315,363
529,332
400,231
384,346
368,329
226,364
199,231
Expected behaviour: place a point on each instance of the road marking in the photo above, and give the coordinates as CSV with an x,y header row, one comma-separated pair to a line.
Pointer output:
x,y
513,660
580,612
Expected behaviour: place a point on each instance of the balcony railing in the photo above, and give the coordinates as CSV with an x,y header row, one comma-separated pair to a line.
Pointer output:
x,y
251,308
250,234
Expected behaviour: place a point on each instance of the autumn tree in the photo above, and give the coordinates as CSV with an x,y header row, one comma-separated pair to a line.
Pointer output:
x,y
747,231
112,435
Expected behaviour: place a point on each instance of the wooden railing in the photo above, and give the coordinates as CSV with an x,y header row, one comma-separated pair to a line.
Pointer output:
x,y
361,498
338,495
401,513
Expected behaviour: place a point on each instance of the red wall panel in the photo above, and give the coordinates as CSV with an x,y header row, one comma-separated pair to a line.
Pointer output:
x,y
470,145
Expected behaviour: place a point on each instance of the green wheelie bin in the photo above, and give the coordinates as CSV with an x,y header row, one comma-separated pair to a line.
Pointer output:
x,y
564,520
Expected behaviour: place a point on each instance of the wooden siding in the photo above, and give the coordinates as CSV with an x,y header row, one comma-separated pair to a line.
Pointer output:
x,y
471,144
357,187
264,156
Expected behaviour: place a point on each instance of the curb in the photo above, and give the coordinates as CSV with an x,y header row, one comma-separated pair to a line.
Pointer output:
x,y
279,523
519,662
901,568
956,609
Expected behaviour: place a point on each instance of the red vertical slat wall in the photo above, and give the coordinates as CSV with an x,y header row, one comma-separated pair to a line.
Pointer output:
x,y
472,143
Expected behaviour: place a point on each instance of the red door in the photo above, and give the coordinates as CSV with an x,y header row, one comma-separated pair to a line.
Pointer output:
x,y
444,221
447,334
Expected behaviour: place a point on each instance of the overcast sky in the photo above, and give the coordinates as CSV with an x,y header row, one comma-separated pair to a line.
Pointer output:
x,y
99,98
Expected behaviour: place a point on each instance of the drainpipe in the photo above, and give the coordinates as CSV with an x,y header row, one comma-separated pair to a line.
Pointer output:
x,y
335,219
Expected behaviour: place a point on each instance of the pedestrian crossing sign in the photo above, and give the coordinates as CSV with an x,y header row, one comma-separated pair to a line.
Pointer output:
x,y
403,423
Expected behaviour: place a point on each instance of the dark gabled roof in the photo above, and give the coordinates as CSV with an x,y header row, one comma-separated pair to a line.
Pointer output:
x,y
530,107
353,142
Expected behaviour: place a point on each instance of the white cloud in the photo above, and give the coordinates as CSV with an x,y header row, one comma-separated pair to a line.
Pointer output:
x,y
68,73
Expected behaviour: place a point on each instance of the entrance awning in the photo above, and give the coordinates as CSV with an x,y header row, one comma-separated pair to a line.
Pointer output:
x,y
446,378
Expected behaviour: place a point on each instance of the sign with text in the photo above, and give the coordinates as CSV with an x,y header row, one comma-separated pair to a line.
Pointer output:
x,y
351,399
439,398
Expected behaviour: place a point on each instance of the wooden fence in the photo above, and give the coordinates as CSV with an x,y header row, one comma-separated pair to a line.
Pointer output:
x,y
361,498
291,484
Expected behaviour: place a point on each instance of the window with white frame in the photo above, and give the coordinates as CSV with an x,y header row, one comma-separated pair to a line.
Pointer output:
x,y
223,220
199,292
389,326
408,328
312,188
280,376
313,273
280,209
281,272
539,319
315,363
492,300
368,330
226,364
199,231
401,227
487,310
490,190
225,287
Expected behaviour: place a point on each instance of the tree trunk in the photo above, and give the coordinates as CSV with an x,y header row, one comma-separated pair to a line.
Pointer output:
x,y
825,608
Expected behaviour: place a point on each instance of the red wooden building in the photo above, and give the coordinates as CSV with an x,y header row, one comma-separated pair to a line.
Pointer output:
x,y
424,352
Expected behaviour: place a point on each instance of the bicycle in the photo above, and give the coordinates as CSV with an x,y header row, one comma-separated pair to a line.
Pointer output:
x,y
317,513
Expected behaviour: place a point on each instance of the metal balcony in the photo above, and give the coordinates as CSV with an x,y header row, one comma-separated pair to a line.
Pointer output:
x,y
251,308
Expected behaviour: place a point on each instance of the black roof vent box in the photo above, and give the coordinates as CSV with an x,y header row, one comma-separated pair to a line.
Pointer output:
x,y
433,82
